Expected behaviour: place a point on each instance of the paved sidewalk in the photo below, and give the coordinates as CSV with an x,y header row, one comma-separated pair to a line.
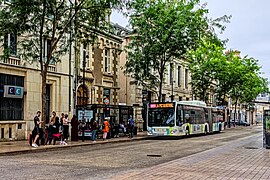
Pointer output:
x,y
17,147
241,159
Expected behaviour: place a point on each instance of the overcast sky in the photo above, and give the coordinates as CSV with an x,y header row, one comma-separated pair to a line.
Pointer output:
x,y
248,32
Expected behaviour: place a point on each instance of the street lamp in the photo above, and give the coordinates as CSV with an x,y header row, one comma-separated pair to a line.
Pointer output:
x,y
171,80
172,96
84,65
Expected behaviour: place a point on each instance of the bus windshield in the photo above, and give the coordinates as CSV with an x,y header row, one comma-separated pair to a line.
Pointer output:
x,y
161,117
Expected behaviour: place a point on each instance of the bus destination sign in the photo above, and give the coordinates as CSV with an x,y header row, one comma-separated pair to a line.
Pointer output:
x,y
161,105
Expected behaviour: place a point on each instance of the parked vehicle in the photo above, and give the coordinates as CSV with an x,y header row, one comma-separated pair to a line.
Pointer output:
x,y
241,123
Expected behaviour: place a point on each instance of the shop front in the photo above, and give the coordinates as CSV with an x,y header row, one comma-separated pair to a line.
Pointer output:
x,y
12,125
118,114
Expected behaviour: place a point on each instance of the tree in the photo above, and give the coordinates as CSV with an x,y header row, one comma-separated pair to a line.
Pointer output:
x,y
202,68
51,22
163,32
248,83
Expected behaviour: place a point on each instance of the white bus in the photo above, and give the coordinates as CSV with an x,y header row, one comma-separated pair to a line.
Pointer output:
x,y
181,118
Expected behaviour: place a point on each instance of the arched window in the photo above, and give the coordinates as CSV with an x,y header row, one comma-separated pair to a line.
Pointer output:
x,y
82,98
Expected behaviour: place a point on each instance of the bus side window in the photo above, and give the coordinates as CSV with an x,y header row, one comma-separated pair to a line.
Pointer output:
x,y
193,117
179,117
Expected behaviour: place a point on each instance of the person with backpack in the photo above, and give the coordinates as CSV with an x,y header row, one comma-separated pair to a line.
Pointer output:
x,y
131,124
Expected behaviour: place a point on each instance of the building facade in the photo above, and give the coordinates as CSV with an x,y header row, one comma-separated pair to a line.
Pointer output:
x,y
20,94
98,78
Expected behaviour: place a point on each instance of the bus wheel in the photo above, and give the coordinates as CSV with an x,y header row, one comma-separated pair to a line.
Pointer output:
x,y
187,131
205,130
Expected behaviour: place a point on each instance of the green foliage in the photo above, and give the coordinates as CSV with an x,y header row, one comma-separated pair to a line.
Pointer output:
x,y
49,24
204,66
225,75
53,20
164,31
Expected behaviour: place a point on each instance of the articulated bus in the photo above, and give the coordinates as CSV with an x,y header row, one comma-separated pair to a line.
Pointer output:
x,y
183,118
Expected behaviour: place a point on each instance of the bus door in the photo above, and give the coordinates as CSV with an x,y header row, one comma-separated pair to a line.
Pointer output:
x,y
209,119
180,118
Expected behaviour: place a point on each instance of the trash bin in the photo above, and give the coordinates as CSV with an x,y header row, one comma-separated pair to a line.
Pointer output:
x,y
135,130
266,129
267,140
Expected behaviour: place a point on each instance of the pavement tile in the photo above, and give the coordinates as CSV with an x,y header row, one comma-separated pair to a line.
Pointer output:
x,y
240,163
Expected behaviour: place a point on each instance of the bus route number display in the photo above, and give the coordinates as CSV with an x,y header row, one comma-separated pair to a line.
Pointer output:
x,y
161,105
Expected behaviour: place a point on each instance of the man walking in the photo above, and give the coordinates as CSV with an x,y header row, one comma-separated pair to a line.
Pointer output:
x,y
131,126
37,123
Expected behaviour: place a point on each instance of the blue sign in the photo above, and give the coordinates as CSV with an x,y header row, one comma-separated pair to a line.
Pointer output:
x,y
13,91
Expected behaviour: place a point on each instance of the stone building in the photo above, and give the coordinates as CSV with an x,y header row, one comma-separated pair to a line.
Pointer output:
x,y
20,92
99,79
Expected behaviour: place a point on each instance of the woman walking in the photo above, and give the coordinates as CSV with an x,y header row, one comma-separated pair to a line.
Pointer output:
x,y
105,128
66,127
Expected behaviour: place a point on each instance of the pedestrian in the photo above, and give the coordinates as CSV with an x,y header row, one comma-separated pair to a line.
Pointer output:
x,y
82,128
50,128
61,129
130,127
37,123
116,130
66,127
74,128
112,128
105,128
55,132
93,124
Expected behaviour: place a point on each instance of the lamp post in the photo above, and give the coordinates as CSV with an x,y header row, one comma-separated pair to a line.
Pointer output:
x,y
172,96
172,81
84,65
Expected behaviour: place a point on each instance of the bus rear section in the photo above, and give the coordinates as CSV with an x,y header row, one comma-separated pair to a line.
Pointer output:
x,y
217,119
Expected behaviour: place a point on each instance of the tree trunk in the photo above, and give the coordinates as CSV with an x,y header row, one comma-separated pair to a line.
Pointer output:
x,y
235,106
43,97
160,88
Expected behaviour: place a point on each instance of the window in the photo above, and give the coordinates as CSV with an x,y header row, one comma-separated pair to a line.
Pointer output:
x,y
186,78
179,76
107,93
107,60
163,97
89,54
84,48
10,108
82,95
10,43
47,48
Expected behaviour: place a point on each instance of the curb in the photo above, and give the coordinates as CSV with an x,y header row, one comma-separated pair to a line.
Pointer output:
x,y
59,147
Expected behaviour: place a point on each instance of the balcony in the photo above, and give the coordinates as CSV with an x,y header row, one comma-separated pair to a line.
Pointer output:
x,y
13,61
51,68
